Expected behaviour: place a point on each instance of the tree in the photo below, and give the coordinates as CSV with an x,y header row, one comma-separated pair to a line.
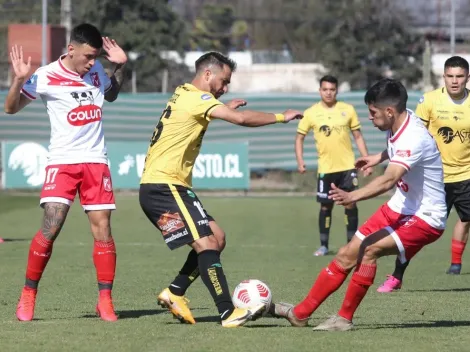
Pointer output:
x,y
362,41
147,27
215,28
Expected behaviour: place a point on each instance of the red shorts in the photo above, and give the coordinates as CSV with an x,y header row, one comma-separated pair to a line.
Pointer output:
x,y
410,232
91,180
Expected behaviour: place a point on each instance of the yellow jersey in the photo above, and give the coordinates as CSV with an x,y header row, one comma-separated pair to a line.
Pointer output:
x,y
177,138
449,123
331,130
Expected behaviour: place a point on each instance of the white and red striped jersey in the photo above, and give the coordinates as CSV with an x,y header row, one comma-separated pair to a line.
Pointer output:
x,y
74,105
421,190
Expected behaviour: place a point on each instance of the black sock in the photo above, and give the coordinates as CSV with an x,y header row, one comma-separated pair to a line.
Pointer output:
x,y
188,273
104,286
31,284
213,277
324,221
352,222
399,269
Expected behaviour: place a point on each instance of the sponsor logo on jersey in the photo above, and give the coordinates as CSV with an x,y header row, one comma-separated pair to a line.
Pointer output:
x,y
83,115
206,96
403,153
448,135
169,223
421,100
58,80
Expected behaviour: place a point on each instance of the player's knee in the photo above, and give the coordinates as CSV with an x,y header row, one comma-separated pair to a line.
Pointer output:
x,y
101,229
371,252
345,258
326,208
206,243
219,234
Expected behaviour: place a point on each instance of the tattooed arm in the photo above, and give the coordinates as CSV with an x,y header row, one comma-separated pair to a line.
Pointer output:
x,y
117,78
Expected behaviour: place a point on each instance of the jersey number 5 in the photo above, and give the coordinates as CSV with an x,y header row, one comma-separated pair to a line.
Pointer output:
x,y
158,130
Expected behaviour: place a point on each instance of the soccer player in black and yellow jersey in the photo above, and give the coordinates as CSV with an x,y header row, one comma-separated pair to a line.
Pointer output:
x,y
332,122
446,113
166,196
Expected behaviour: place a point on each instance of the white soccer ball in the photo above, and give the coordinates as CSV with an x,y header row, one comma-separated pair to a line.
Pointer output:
x,y
251,293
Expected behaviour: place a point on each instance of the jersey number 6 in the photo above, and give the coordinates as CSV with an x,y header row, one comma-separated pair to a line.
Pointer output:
x,y
158,130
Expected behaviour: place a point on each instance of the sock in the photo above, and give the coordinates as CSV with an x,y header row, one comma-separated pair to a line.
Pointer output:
x,y
399,269
104,258
213,277
324,221
328,281
457,251
352,222
361,280
40,252
188,273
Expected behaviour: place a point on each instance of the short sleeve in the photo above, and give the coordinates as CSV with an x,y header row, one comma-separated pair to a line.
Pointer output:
x,y
105,79
305,124
354,123
204,104
30,88
407,155
423,109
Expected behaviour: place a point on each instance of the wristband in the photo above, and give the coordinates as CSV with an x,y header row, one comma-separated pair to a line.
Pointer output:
x,y
280,118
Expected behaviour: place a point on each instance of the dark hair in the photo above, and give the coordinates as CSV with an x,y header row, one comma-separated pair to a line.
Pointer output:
x,y
215,58
387,92
87,34
329,79
456,61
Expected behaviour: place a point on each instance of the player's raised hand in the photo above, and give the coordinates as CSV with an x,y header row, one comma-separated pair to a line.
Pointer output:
x,y
236,103
20,67
115,54
290,115
339,196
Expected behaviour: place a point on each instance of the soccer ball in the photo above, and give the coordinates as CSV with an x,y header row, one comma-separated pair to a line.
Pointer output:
x,y
251,293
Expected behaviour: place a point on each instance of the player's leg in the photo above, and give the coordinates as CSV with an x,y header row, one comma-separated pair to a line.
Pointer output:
x,y
376,245
57,195
190,270
460,192
97,199
349,182
326,208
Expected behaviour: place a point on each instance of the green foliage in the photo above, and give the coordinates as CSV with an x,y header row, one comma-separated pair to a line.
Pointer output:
x,y
146,27
217,29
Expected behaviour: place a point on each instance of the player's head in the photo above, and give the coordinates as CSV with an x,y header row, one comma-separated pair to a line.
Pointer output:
x,y
84,47
214,71
328,89
386,101
456,75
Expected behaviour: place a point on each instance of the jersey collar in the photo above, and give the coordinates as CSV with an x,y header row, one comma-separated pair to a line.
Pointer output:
x,y
393,138
65,69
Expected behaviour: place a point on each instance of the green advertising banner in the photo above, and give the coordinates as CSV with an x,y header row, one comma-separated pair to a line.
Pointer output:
x,y
219,165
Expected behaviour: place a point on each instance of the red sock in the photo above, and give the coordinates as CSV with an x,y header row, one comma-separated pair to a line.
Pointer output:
x,y
457,251
361,280
104,258
328,281
40,251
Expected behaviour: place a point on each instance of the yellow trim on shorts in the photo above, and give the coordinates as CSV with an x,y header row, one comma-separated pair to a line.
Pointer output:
x,y
184,210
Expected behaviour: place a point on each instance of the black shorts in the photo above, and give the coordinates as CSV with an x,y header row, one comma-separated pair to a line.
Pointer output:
x,y
346,180
176,211
458,195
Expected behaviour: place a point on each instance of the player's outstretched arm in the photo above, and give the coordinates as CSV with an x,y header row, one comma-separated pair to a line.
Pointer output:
x,y
249,118
118,57
377,186
15,101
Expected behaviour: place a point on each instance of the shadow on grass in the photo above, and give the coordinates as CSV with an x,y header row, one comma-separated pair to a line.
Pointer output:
x,y
463,289
423,324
